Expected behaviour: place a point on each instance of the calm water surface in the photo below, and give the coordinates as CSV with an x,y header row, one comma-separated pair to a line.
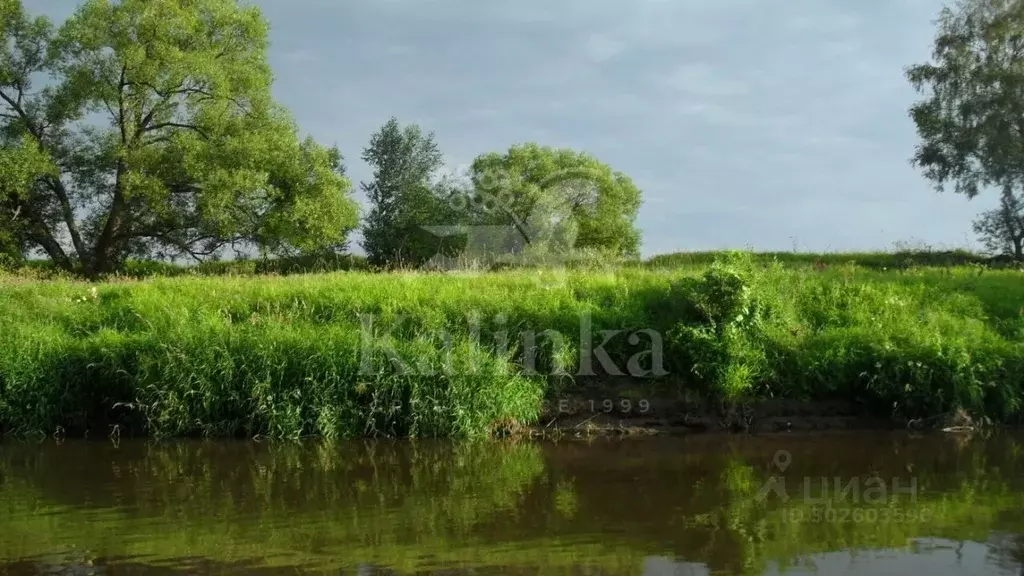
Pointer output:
x,y
855,505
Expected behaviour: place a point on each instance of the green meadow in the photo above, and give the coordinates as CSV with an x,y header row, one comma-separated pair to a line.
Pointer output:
x,y
357,353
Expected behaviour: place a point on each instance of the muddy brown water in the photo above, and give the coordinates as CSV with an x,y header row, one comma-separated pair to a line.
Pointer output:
x,y
854,504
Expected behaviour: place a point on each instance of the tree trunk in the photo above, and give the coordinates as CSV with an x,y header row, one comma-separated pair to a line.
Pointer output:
x,y
105,254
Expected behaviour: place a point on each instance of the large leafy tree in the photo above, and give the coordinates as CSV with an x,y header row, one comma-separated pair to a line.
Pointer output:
x,y
557,200
971,120
404,195
155,134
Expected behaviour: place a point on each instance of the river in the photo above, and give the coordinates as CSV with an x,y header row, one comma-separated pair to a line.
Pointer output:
x,y
854,504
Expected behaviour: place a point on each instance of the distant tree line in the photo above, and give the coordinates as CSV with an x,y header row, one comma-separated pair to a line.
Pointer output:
x,y
528,202
154,135
146,129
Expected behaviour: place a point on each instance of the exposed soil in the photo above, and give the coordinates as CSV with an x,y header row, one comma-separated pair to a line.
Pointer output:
x,y
628,412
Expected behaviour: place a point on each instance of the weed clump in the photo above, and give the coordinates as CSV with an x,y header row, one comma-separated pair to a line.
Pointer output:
x,y
721,339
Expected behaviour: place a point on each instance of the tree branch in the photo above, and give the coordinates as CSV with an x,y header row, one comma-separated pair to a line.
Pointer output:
x,y
517,224
54,182
183,246
166,97
182,90
157,140
120,105
41,234
192,127
16,106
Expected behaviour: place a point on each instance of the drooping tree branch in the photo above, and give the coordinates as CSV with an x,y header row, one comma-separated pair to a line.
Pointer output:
x,y
40,233
181,125
53,182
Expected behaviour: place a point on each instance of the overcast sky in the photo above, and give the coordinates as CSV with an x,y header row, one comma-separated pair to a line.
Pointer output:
x,y
747,123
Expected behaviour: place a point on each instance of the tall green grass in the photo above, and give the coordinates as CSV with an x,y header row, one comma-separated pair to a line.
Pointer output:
x,y
319,263
287,356
895,260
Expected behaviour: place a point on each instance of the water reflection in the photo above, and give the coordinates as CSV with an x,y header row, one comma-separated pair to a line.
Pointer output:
x,y
691,506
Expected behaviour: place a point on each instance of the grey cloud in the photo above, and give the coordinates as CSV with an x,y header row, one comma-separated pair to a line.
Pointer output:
x,y
600,47
746,122
704,80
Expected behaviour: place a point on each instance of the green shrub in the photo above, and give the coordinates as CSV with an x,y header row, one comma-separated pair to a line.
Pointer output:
x,y
721,343
11,255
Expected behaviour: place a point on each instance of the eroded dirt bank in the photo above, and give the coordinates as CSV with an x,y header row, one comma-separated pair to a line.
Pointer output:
x,y
624,411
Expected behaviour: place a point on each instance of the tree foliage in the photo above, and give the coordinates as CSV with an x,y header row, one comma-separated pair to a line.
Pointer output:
x,y
971,122
557,199
404,195
156,135
1002,229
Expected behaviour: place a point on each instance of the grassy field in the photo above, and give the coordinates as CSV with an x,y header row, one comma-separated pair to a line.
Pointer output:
x,y
901,259
342,354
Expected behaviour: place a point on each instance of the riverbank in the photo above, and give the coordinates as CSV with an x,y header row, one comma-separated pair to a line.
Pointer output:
x,y
592,415
474,354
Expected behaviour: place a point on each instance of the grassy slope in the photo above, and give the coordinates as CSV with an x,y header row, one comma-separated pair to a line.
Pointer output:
x,y
283,356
